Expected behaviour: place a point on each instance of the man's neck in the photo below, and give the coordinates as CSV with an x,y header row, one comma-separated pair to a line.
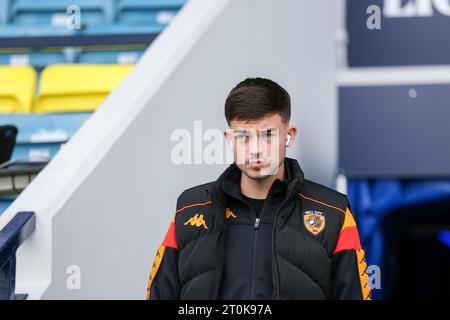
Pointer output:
x,y
259,188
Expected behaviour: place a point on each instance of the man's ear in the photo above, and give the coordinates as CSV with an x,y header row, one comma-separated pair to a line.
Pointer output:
x,y
228,137
292,131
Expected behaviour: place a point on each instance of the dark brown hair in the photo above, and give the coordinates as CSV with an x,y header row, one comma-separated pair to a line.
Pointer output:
x,y
256,98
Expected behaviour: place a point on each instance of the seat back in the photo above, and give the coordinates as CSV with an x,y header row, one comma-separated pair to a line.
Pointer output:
x,y
17,87
77,88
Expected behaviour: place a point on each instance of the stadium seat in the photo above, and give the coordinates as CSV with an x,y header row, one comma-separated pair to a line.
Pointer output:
x,y
17,87
51,12
110,56
120,29
40,58
4,10
77,88
37,59
156,12
15,31
18,31
40,136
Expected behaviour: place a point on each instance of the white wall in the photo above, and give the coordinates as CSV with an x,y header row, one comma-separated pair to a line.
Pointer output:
x,y
104,203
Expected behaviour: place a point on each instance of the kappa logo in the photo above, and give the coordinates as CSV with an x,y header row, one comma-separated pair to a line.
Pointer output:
x,y
314,221
197,221
229,213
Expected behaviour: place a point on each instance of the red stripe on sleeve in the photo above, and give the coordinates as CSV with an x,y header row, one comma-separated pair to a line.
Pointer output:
x,y
348,239
170,239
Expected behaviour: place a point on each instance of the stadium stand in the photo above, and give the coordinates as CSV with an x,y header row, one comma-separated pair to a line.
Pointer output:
x,y
52,77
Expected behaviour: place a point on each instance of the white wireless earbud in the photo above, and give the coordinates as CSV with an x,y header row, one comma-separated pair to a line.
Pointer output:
x,y
231,144
288,140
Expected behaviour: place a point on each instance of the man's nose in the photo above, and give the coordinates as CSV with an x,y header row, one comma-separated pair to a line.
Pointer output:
x,y
254,147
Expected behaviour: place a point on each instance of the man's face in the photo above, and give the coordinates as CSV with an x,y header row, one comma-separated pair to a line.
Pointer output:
x,y
259,146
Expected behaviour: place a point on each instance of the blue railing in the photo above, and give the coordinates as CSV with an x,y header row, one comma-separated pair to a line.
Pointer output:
x,y
11,237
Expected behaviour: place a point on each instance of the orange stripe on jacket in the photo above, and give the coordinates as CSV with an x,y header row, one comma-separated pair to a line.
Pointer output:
x,y
363,276
170,239
156,264
348,236
193,205
320,202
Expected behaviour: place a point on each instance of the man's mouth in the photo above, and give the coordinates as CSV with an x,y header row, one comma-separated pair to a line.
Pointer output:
x,y
257,164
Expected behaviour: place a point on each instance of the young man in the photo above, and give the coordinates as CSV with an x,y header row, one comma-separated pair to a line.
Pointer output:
x,y
261,230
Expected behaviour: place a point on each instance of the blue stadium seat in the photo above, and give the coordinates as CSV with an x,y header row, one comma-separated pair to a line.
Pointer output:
x,y
37,59
118,29
110,56
18,31
53,12
40,136
40,59
154,12
4,11
14,31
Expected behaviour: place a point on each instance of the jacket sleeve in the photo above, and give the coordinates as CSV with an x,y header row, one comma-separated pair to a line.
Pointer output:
x,y
349,268
164,283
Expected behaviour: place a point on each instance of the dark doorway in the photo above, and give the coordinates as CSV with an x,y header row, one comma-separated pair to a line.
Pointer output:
x,y
416,263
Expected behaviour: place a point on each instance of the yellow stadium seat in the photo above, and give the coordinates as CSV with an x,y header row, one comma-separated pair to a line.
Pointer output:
x,y
77,87
17,86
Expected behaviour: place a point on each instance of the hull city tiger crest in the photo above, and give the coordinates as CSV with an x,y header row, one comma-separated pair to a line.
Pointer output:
x,y
314,221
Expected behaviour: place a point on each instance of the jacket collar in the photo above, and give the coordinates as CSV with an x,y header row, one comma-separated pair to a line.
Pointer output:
x,y
229,180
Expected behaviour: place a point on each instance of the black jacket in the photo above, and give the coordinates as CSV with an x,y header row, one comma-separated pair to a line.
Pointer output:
x,y
305,245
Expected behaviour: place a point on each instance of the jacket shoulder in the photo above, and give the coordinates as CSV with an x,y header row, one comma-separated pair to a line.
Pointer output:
x,y
192,218
325,196
194,196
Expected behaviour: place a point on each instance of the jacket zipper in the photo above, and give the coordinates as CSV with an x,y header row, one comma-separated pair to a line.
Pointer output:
x,y
257,221
255,232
